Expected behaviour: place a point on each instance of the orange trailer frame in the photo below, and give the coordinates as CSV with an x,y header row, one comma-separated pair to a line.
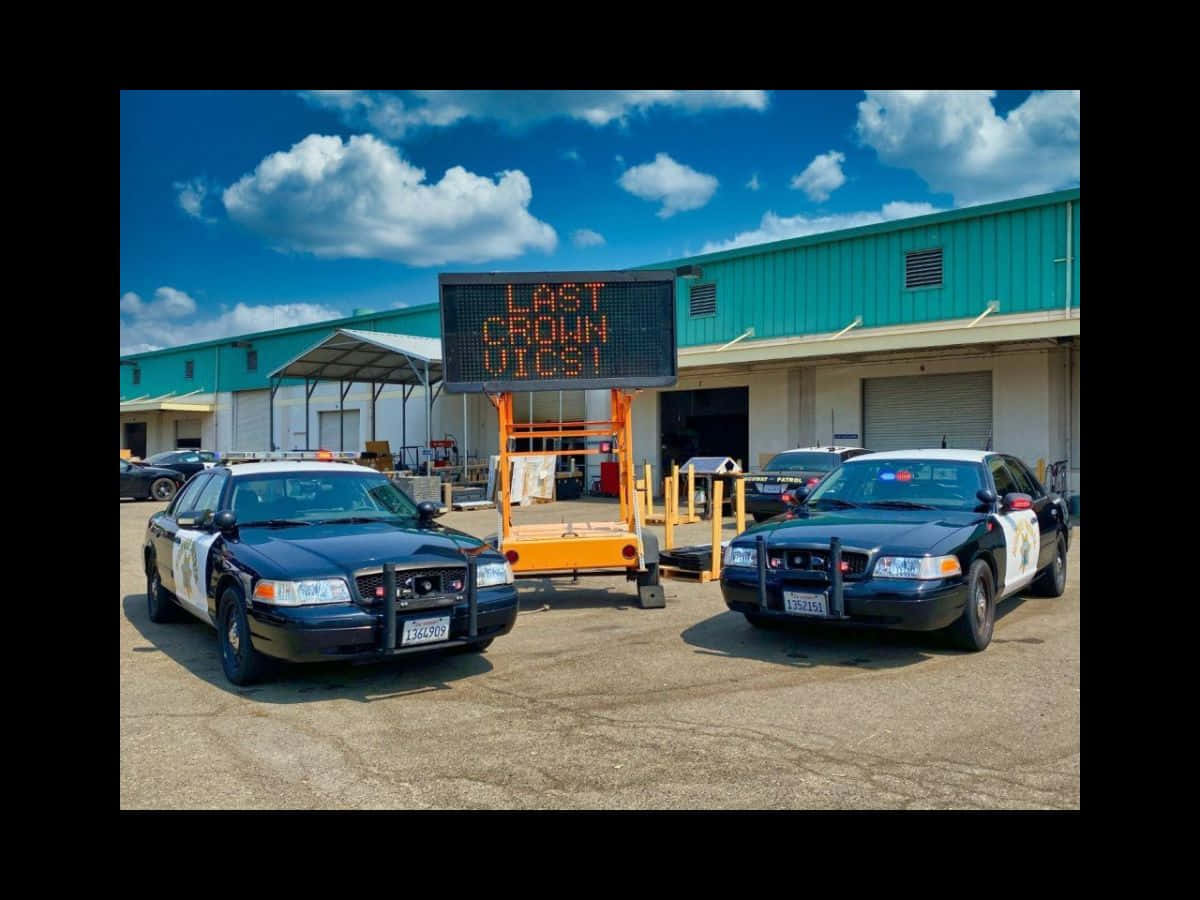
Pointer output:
x,y
571,547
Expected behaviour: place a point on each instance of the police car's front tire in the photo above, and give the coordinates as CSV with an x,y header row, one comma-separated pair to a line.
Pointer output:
x,y
158,600
241,662
973,630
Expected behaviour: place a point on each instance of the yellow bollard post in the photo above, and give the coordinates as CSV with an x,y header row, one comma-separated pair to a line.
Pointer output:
x,y
739,505
1041,470
671,501
675,481
649,493
691,493
717,490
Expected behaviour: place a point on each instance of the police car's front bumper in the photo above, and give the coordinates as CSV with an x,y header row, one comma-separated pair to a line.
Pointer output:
x,y
878,603
350,632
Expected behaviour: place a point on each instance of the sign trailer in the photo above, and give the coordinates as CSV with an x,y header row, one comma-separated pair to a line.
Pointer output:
x,y
552,331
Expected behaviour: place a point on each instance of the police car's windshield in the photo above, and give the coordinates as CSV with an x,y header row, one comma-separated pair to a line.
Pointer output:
x,y
901,484
806,462
311,497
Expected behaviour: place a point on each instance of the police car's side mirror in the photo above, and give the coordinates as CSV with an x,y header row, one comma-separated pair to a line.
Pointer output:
x,y
795,496
986,497
225,521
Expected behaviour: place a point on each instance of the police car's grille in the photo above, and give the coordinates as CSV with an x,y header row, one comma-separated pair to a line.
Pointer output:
x,y
441,581
818,561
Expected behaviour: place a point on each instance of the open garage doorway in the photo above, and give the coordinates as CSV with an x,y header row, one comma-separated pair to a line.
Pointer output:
x,y
711,422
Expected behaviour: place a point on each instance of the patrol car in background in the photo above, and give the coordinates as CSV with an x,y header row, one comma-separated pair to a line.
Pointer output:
x,y
285,557
916,539
802,467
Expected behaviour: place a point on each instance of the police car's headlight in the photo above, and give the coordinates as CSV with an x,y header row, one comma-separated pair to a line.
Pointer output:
x,y
741,556
302,593
489,574
923,567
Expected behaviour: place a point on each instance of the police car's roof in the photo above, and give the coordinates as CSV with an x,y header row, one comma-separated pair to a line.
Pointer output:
x,y
955,455
819,449
296,465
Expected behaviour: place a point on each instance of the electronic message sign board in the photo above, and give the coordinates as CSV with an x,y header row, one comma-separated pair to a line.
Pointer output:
x,y
547,331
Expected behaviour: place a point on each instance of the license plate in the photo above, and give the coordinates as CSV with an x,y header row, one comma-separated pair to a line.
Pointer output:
x,y
425,631
805,604
770,488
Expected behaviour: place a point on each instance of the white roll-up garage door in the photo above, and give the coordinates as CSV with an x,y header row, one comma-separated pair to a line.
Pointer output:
x,y
914,412
331,436
251,420
545,406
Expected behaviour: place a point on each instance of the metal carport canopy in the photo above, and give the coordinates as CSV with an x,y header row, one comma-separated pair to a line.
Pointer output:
x,y
349,356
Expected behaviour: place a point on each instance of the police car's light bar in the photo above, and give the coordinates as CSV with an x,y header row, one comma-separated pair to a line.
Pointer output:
x,y
246,456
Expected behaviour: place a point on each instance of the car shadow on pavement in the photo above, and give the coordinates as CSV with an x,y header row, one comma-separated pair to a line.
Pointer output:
x,y
808,645
536,594
193,645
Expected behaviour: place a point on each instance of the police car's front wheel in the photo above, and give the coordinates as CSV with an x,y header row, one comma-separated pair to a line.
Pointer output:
x,y
241,662
973,630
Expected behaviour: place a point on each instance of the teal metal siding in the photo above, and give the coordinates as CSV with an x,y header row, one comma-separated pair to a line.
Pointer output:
x,y
1015,256
1013,252
162,371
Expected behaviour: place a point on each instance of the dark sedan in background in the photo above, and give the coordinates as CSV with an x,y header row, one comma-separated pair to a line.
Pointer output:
x,y
189,462
146,482
802,467
916,540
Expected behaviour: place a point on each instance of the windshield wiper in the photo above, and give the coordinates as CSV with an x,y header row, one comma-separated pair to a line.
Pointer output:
x,y
842,504
901,504
274,523
354,520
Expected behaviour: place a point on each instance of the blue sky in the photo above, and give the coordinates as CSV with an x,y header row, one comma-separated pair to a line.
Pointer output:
x,y
242,211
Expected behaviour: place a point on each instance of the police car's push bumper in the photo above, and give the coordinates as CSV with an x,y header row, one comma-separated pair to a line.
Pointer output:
x,y
878,603
351,632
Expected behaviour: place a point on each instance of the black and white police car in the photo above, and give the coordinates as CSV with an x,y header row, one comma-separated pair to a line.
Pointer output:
x,y
791,469
286,557
915,539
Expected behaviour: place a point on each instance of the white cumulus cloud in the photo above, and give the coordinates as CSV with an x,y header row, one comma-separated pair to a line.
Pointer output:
x,y
679,187
585,237
959,145
152,326
360,198
777,228
191,195
822,177
393,115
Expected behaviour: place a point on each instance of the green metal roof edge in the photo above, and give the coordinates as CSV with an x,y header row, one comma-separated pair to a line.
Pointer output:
x,y
824,237
291,329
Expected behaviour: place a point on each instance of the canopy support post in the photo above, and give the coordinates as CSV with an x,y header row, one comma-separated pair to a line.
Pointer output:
x,y
343,390
428,423
275,382
309,387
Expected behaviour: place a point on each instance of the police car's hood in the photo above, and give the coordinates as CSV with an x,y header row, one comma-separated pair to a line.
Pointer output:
x,y
311,551
897,530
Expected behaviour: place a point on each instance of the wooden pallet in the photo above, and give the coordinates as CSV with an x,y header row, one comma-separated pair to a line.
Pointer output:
x,y
699,577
